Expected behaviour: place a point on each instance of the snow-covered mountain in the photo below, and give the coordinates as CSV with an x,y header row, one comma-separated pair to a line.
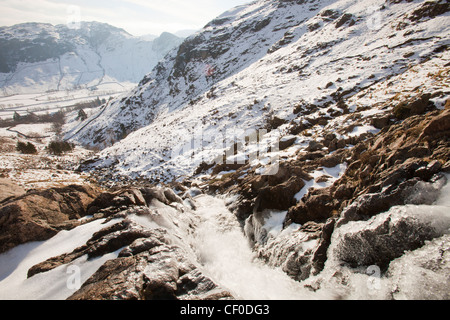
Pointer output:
x,y
333,118
36,57
294,61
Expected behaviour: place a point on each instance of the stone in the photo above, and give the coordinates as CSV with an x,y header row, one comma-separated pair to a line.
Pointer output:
x,y
9,190
287,142
317,205
279,197
438,126
383,238
39,215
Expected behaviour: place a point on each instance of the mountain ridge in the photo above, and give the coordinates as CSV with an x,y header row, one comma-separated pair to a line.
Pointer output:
x,y
258,62
42,57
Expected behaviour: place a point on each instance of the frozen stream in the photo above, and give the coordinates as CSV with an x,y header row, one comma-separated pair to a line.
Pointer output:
x,y
225,255
228,259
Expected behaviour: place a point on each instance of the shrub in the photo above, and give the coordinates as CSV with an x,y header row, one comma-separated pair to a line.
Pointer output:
x,y
60,147
26,148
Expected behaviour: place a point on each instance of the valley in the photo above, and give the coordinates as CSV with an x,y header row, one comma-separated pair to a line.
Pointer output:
x,y
290,150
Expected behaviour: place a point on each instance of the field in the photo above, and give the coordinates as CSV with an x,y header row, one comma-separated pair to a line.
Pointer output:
x,y
54,101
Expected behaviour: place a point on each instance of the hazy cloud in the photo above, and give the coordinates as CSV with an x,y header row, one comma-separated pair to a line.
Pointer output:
x,y
135,16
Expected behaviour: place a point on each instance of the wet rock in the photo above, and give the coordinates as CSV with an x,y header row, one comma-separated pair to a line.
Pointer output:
x,y
150,268
292,252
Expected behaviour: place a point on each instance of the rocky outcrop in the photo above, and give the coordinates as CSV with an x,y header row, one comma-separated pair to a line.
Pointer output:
x,y
146,228
432,263
39,215
401,165
150,266
9,190
150,270
384,238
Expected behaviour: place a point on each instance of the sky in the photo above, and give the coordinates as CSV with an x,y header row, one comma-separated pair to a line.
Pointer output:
x,y
138,17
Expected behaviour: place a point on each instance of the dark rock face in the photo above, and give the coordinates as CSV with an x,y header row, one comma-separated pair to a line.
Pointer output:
x,y
39,215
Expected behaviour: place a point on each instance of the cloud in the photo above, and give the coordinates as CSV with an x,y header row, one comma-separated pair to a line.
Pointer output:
x,y
135,16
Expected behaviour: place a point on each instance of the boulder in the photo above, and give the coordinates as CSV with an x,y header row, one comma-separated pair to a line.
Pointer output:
x,y
39,215
279,197
388,236
149,267
317,205
9,190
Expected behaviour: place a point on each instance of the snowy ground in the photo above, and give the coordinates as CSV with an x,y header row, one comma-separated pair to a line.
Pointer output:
x,y
42,170
54,101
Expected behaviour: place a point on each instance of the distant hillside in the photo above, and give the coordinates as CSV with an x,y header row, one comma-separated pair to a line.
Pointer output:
x,y
36,57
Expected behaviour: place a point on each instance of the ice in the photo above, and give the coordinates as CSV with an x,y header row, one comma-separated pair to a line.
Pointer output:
x,y
15,263
228,259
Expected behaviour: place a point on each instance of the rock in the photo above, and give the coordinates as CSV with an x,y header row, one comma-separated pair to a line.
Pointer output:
x,y
438,127
314,146
293,252
387,236
287,142
149,268
171,196
302,157
317,205
9,190
107,240
39,215
320,254
381,122
279,197
118,199
423,273
413,191
415,106
347,17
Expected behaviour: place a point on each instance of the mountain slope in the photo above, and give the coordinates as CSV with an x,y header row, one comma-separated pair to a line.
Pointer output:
x,y
303,63
39,57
